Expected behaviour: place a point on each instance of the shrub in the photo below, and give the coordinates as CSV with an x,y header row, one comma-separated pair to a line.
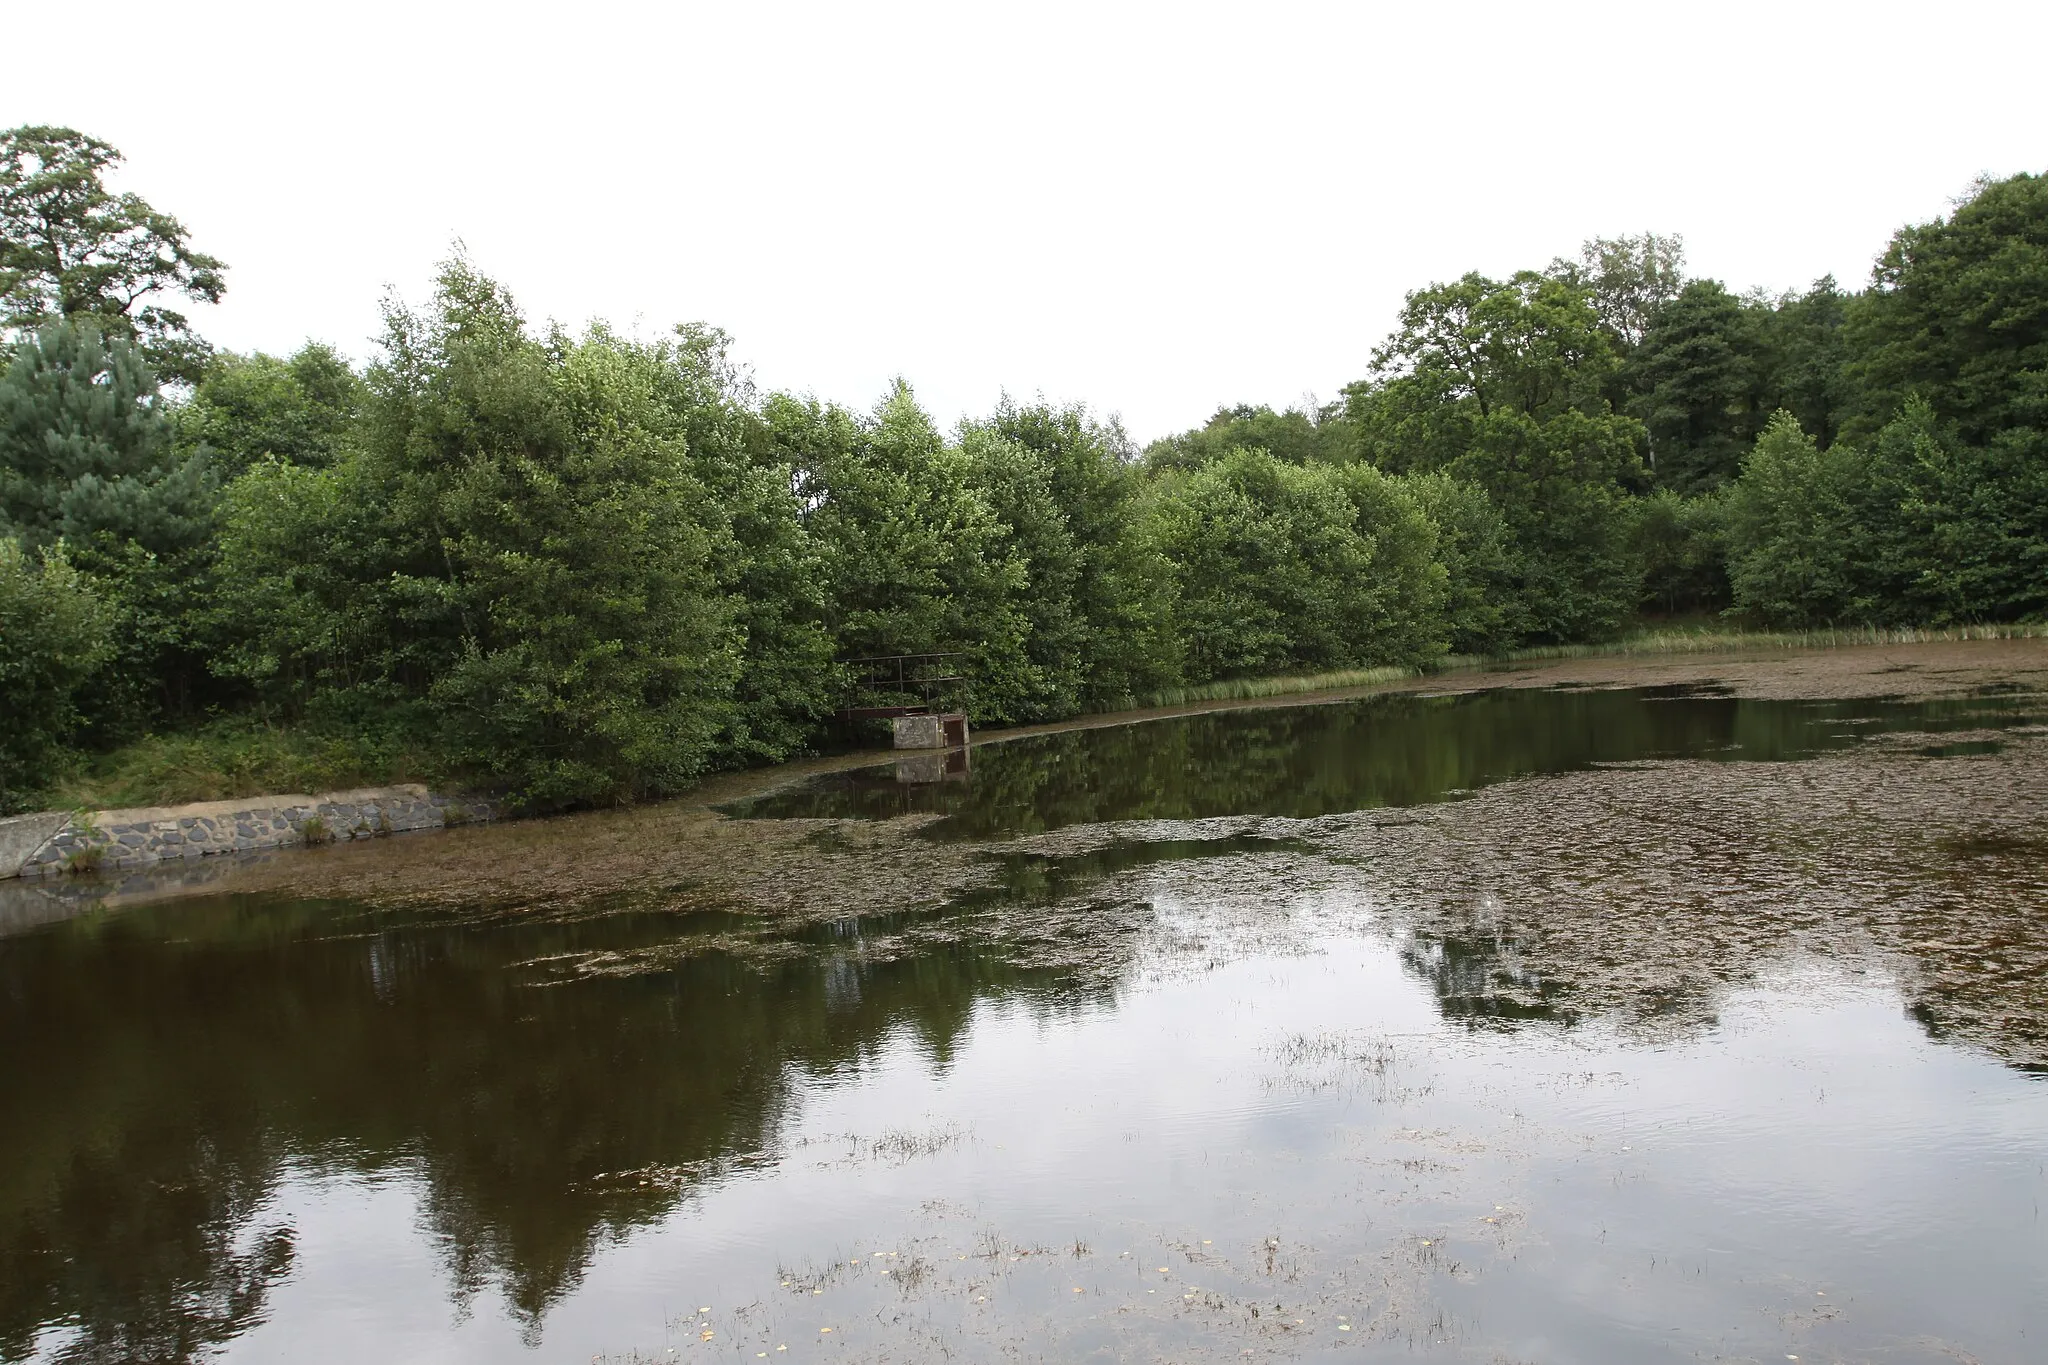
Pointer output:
x,y
54,635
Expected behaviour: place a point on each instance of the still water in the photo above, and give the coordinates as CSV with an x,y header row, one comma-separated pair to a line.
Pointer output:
x,y
1520,1026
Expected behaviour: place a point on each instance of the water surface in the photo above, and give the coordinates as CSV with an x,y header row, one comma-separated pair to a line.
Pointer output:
x,y
1266,1048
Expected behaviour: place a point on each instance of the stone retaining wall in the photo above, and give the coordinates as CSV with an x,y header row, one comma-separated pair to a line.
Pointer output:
x,y
111,839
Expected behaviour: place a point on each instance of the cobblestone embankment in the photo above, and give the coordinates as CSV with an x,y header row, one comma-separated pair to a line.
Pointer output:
x,y
51,844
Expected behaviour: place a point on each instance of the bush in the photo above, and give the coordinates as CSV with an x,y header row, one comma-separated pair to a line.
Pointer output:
x,y
515,550
1279,567
55,632
1681,544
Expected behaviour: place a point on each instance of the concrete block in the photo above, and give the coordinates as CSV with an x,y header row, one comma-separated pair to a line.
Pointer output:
x,y
22,835
946,730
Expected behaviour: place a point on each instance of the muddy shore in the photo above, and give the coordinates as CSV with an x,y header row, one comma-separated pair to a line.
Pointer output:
x,y
687,853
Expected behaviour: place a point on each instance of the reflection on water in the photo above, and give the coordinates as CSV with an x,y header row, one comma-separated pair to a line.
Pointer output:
x,y
1307,761
1386,1082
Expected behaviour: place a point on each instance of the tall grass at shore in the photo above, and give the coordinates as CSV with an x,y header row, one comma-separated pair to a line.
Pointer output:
x,y
239,757
1660,640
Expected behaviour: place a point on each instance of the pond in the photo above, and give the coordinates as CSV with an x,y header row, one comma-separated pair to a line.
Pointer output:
x,y
1519,1025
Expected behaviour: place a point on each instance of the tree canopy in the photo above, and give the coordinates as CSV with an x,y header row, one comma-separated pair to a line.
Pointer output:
x,y
71,248
577,567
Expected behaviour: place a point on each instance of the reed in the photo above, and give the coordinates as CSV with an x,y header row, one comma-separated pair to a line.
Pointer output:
x,y
1652,641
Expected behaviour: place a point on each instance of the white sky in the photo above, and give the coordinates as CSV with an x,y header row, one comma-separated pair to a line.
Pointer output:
x,y
1155,209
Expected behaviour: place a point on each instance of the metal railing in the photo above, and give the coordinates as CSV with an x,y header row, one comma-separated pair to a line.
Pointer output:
x,y
905,684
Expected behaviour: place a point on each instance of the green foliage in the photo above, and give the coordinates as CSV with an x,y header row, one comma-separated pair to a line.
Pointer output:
x,y
1808,358
1562,487
1786,516
913,557
1296,436
1698,382
1465,352
70,248
1482,612
1957,313
522,551
55,634
1916,527
1502,384
247,407
1681,544
85,450
583,568
1627,280
1278,567
242,755
1096,606
85,457
767,565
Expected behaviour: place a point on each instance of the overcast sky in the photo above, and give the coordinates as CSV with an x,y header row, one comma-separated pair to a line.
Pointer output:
x,y
1155,209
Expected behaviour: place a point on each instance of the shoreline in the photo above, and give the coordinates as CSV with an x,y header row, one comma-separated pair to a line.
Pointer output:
x,y
1917,667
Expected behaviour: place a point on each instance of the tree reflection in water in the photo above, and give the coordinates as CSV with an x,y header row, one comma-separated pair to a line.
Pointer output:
x,y
556,1079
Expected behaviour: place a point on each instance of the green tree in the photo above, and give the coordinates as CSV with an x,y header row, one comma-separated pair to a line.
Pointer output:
x,y
1680,544
1482,604
524,564
1698,384
1284,567
1957,313
1847,536
1463,352
85,448
913,557
1563,488
768,567
71,248
1808,368
1297,436
1503,384
247,407
1627,280
1913,527
1096,590
86,457
55,634
1788,515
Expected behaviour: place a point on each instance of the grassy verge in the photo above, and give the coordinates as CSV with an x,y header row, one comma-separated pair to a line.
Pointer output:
x,y
236,757
230,758
1707,639
1695,639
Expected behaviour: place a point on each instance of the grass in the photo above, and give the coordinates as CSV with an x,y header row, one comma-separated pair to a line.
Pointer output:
x,y
1706,639
229,758
237,757
1654,640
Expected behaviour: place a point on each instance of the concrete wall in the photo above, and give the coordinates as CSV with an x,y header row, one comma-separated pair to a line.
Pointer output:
x,y
930,731
53,843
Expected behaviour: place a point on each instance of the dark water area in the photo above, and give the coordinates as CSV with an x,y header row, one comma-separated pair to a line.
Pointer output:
x,y
1180,1094
1305,761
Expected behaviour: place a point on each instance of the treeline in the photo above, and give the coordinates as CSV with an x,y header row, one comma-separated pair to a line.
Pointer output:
x,y
588,568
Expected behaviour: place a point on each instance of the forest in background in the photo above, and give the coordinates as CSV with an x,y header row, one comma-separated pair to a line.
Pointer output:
x,y
578,567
